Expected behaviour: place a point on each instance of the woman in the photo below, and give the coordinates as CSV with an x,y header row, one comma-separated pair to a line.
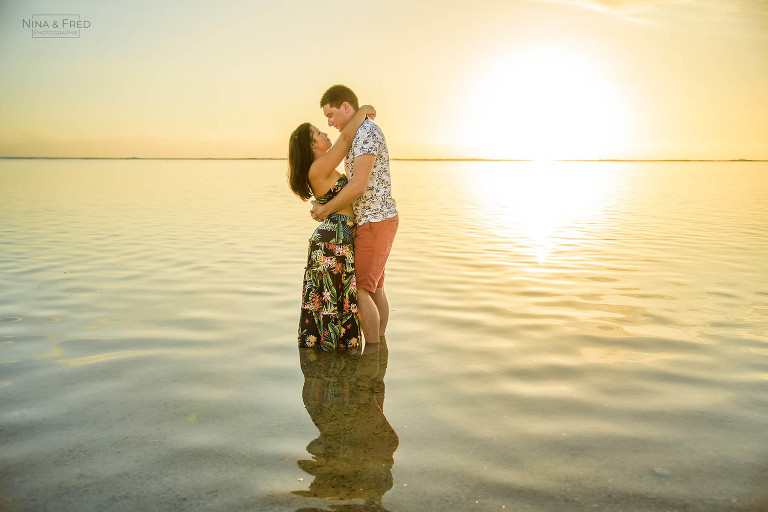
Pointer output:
x,y
329,298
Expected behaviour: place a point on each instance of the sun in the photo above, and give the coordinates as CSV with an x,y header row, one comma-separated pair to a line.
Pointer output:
x,y
546,102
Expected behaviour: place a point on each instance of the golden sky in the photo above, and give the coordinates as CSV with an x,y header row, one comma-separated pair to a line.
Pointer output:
x,y
543,79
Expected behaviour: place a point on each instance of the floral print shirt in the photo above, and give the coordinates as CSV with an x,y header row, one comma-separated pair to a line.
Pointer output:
x,y
376,204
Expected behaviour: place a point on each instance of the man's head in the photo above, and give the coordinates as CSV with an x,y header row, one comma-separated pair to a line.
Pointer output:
x,y
339,104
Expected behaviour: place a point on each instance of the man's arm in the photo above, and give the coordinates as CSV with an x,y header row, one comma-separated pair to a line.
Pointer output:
x,y
325,164
362,168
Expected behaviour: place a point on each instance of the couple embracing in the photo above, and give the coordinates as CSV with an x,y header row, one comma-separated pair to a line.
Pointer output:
x,y
344,276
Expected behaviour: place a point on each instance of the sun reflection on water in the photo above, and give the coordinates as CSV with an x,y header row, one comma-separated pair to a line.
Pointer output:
x,y
546,204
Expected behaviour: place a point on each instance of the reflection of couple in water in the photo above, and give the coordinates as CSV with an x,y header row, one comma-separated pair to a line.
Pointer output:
x,y
342,295
353,456
343,287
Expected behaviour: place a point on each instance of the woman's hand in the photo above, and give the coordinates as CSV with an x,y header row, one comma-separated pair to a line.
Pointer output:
x,y
370,112
318,212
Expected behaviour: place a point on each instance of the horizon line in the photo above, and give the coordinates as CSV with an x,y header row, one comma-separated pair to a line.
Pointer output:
x,y
399,159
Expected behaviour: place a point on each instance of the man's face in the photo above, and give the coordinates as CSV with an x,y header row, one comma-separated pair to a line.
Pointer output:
x,y
338,117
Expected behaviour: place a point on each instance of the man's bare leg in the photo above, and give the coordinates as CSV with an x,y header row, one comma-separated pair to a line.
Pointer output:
x,y
382,305
369,316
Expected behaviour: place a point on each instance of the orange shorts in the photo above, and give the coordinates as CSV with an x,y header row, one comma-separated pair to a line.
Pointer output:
x,y
373,241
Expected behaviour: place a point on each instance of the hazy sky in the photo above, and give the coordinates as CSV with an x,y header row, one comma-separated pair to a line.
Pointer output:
x,y
486,78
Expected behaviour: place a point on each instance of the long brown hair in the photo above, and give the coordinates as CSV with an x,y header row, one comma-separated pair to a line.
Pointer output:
x,y
300,158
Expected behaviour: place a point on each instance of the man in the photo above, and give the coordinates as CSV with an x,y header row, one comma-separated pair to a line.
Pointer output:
x,y
370,192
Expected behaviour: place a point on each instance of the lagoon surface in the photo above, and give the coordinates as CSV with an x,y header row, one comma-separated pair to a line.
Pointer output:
x,y
567,336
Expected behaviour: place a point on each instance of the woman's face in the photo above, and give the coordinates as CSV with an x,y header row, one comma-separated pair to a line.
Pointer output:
x,y
320,141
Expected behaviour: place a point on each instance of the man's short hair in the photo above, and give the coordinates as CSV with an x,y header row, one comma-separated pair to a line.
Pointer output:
x,y
338,94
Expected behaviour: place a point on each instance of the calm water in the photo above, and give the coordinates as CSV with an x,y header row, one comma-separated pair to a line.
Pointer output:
x,y
564,337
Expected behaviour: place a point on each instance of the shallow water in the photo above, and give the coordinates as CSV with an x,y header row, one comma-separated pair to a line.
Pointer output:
x,y
564,336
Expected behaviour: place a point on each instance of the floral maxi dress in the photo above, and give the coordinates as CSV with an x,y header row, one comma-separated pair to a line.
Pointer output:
x,y
329,294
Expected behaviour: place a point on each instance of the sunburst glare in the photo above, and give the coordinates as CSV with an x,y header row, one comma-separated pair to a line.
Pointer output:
x,y
547,103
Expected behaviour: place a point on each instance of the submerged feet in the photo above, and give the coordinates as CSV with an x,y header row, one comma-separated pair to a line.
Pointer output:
x,y
374,346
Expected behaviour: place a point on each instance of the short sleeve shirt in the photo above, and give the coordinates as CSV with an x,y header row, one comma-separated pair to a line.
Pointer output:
x,y
376,204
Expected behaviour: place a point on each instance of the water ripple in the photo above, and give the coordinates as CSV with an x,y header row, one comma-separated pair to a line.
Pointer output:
x,y
548,349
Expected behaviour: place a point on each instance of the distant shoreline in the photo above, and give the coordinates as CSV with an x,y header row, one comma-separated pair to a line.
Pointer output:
x,y
393,159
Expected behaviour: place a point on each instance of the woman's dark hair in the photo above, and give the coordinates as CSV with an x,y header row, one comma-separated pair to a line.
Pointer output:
x,y
300,158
